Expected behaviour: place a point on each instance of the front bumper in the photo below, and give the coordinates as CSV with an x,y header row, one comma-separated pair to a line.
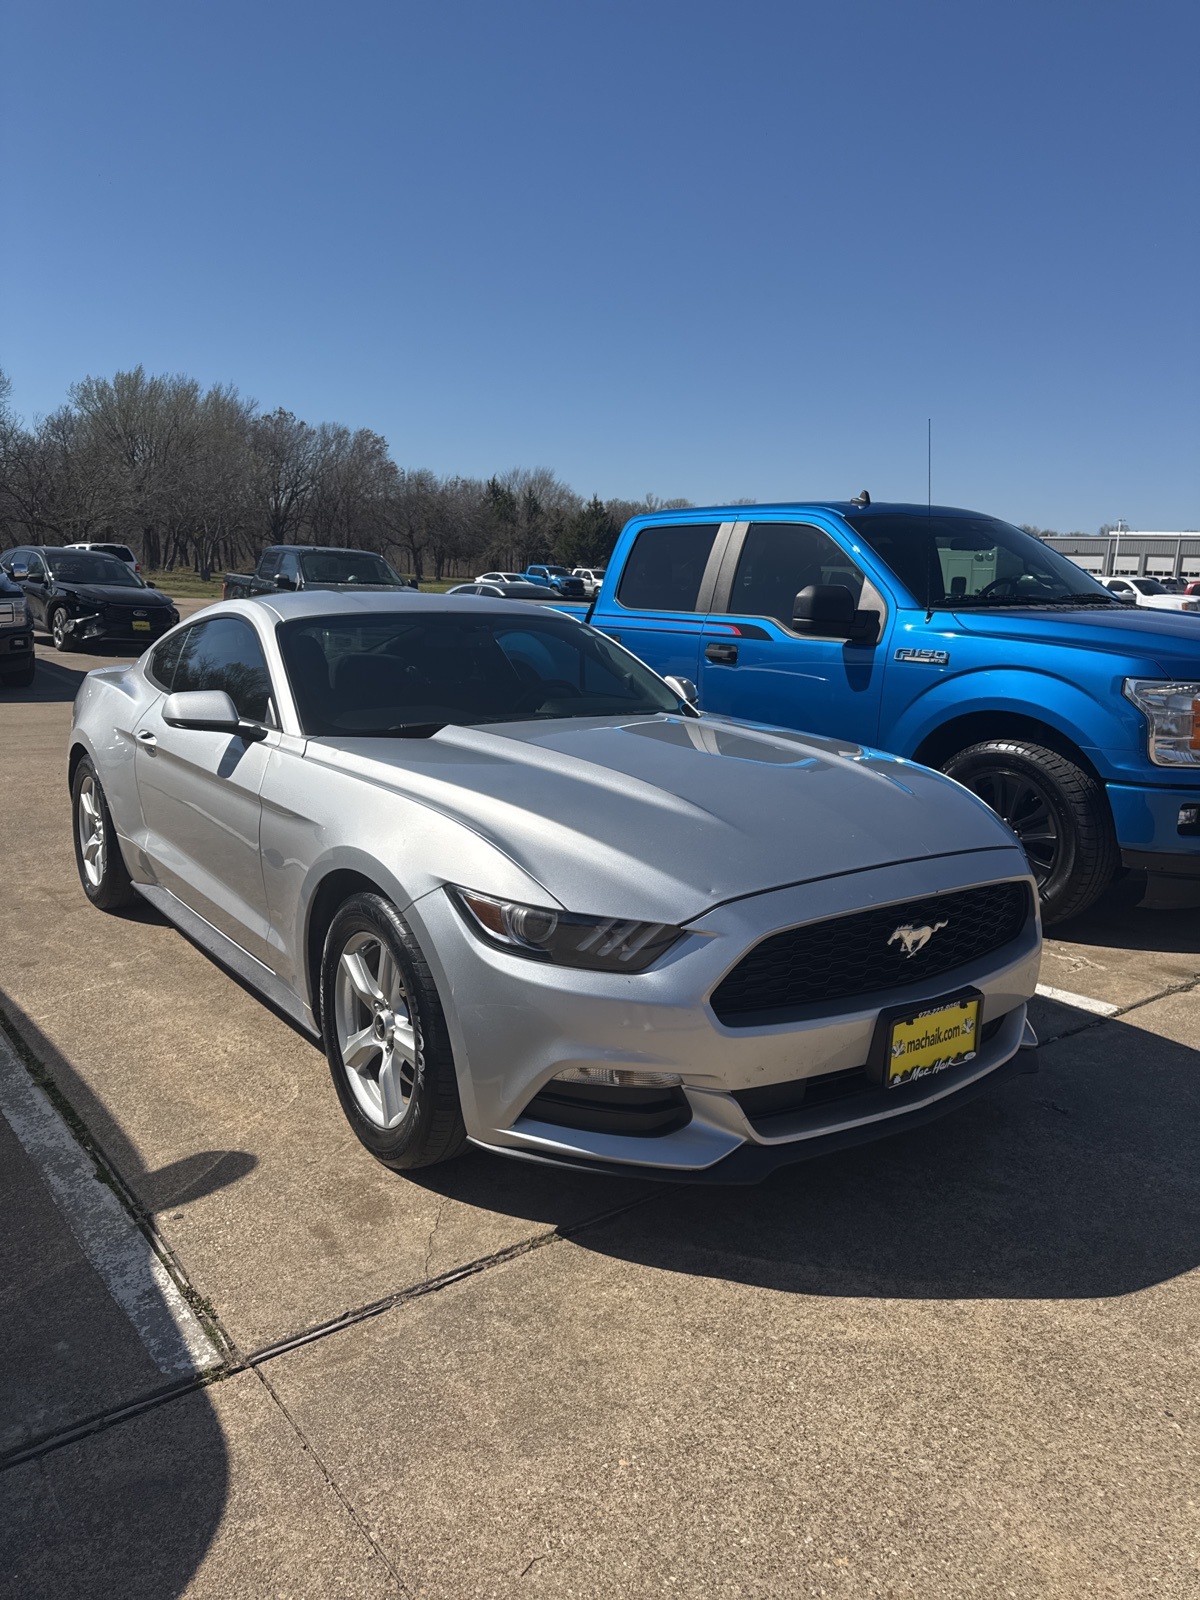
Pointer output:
x,y
515,1024
1149,822
15,648
92,627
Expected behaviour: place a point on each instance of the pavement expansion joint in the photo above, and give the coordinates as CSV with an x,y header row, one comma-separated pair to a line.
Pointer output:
x,y
237,1363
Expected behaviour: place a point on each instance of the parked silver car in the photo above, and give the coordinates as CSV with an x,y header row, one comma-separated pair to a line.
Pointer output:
x,y
530,897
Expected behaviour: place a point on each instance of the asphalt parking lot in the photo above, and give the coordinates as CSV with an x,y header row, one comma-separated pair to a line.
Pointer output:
x,y
237,1357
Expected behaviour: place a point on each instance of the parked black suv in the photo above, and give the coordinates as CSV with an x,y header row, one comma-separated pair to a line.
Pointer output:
x,y
79,597
16,636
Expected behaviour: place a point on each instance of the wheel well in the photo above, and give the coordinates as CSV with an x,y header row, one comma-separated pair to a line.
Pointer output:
x,y
333,891
76,756
953,736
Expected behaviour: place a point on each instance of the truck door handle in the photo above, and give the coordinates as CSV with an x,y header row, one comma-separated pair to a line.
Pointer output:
x,y
147,740
724,655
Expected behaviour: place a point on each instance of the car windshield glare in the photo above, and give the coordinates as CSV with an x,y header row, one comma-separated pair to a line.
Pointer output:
x,y
379,673
347,566
962,562
83,567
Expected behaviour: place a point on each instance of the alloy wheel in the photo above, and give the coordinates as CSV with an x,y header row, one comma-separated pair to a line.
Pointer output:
x,y
58,629
1027,808
376,1033
89,821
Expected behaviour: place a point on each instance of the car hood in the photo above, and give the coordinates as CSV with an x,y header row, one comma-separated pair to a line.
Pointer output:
x,y
107,594
663,817
1164,640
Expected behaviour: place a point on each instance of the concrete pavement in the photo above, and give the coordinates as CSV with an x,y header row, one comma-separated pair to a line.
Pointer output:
x,y
960,1363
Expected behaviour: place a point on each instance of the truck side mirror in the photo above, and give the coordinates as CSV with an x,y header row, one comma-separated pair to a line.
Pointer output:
x,y
284,582
827,610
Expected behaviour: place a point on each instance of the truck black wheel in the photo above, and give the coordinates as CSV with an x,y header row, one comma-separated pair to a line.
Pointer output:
x,y
1058,811
102,870
23,677
386,1038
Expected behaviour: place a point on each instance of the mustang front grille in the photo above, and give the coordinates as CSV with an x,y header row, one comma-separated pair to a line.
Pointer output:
x,y
854,957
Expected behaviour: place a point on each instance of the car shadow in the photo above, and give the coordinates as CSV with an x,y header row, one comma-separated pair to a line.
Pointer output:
x,y
1116,922
129,1508
1077,1182
52,681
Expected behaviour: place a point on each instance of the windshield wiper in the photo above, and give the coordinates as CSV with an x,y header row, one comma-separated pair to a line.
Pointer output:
x,y
410,730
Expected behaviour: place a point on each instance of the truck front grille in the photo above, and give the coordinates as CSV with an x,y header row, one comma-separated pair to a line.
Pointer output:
x,y
868,952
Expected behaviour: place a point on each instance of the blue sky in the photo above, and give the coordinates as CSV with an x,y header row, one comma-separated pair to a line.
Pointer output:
x,y
711,250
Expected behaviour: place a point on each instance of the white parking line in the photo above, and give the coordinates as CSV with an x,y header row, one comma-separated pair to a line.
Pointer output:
x,y
121,1254
1082,1002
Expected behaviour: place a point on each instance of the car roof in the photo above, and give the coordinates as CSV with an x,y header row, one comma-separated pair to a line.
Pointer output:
x,y
789,508
288,606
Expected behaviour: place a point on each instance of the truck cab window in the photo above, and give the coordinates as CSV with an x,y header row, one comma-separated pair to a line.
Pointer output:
x,y
664,569
779,559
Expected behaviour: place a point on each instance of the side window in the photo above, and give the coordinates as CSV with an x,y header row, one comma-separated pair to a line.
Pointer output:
x,y
665,567
160,668
37,567
779,559
225,654
269,565
289,567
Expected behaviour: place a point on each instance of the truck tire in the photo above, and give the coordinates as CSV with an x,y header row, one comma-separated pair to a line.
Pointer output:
x,y
23,677
1058,811
386,1038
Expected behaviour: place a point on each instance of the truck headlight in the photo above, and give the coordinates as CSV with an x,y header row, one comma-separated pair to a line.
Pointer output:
x,y
1172,713
602,944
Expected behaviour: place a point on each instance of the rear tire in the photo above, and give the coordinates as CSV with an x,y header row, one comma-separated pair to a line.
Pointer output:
x,y
102,870
386,1038
1056,808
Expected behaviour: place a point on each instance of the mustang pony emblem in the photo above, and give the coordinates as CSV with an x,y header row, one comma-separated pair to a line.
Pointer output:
x,y
914,939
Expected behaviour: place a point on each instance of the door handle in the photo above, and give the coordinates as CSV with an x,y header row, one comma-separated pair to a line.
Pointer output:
x,y
147,740
723,655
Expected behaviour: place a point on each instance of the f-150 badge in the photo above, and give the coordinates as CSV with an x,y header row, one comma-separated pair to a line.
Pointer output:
x,y
927,658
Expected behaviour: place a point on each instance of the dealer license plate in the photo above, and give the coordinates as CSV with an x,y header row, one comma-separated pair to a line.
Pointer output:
x,y
927,1042
140,627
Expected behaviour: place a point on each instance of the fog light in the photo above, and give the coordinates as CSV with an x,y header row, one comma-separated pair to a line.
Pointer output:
x,y
619,1078
1189,820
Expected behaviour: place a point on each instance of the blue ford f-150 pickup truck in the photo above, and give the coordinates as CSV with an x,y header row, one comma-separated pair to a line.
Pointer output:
x,y
949,637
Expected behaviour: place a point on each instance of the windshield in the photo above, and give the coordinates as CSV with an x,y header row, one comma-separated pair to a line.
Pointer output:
x,y
84,567
348,566
964,562
390,673
1148,586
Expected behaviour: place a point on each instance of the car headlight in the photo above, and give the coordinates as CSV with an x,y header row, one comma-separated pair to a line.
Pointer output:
x,y
1172,713
601,944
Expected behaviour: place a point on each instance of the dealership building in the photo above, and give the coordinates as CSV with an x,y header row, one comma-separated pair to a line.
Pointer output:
x,y
1127,554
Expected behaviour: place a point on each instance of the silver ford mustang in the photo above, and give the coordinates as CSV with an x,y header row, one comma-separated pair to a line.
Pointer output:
x,y
529,897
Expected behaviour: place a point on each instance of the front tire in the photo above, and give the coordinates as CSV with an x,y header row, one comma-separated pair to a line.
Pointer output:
x,y
1059,812
386,1039
102,870
22,679
58,629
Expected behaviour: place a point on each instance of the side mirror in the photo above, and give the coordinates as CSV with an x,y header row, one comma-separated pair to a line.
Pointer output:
x,y
19,571
284,582
208,711
683,687
827,610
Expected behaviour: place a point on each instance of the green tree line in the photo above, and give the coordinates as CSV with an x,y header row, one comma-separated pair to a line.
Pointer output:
x,y
202,479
